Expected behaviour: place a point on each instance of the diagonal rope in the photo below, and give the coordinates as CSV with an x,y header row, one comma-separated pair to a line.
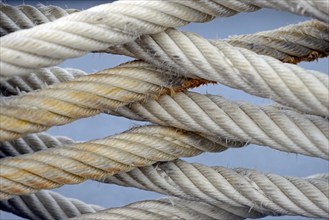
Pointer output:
x,y
190,55
86,96
269,194
97,159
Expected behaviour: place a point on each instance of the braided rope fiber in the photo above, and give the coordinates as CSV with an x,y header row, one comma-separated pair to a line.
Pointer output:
x,y
97,159
269,194
86,96
263,76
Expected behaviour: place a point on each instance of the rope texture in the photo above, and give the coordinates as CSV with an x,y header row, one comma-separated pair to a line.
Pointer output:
x,y
269,194
44,205
190,55
169,208
86,96
116,23
301,42
97,159
14,18
37,80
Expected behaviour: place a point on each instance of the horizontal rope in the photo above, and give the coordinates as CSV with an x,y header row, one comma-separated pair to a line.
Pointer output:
x,y
14,18
37,80
97,159
47,205
169,208
281,129
100,27
86,96
32,143
269,194
304,41
191,55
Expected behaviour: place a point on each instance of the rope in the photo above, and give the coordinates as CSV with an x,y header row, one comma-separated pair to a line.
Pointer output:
x,y
98,28
318,9
14,18
97,159
45,205
269,194
32,143
170,208
85,96
110,24
38,80
188,54
304,41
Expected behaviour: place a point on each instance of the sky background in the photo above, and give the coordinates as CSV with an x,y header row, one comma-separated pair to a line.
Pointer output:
x,y
260,158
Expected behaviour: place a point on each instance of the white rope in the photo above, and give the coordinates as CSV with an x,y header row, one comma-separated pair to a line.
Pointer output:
x,y
191,55
47,205
37,80
102,26
281,129
269,194
14,18
97,159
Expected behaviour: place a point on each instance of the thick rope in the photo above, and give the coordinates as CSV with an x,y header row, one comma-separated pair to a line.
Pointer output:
x,y
32,143
86,96
169,208
269,194
14,18
318,9
47,205
98,28
294,43
38,80
191,55
301,42
97,159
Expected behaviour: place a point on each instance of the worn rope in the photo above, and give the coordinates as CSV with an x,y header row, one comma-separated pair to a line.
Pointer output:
x,y
304,41
85,96
47,205
169,208
109,24
97,159
14,18
191,55
269,194
98,28
37,80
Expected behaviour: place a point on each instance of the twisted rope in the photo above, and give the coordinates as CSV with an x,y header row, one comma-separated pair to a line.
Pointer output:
x,y
304,41
269,194
32,143
14,18
169,208
85,96
45,205
190,55
99,158
38,80
109,24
